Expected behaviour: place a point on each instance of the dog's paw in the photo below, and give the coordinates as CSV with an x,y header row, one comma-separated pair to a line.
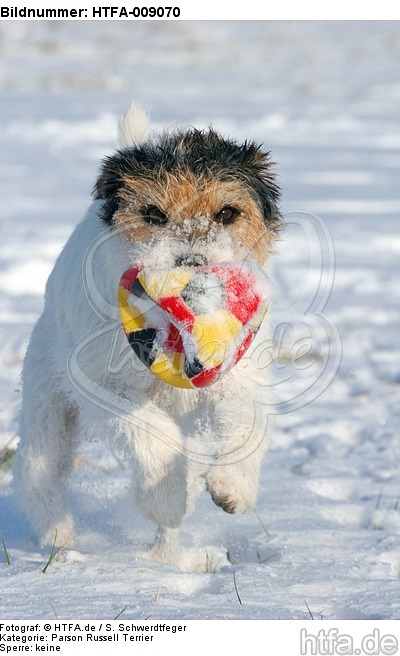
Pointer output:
x,y
201,560
228,495
70,556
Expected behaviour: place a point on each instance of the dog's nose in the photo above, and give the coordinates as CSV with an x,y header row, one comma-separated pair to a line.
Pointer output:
x,y
191,260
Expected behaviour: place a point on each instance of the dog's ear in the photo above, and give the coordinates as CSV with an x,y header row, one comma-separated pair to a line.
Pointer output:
x,y
133,129
108,185
263,181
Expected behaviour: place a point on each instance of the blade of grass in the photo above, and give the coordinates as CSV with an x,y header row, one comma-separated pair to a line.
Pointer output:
x,y
7,454
262,523
8,561
207,563
379,500
309,612
236,590
52,554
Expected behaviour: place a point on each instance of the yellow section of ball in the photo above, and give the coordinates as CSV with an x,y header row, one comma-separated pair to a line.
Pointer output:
x,y
158,284
170,368
216,335
131,317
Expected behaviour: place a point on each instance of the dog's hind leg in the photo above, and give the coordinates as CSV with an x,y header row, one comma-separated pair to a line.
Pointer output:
x,y
48,435
43,462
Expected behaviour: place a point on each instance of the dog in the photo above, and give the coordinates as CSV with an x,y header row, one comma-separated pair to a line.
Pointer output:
x,y
182,197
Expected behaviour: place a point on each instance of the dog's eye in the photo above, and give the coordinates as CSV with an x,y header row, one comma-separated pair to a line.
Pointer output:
x,y
227,215
154,216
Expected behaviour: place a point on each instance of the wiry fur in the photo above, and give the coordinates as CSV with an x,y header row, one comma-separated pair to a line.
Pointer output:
x,y
206,155
178,441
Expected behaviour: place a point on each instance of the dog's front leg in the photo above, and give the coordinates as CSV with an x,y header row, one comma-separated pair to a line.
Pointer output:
x,y
242,435
163,490
160,484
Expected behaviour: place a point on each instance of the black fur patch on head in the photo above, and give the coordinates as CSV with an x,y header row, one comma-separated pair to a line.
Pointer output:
x,y
204,153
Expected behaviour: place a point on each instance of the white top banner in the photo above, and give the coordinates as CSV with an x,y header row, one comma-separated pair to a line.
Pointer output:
x,y
190,10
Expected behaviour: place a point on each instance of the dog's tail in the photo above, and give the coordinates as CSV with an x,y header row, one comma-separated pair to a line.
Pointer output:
x,y
133,127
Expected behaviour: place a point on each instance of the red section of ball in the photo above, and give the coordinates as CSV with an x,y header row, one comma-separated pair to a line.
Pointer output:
x,y
240,298
206,377
243,347
174,340
177,309
128,278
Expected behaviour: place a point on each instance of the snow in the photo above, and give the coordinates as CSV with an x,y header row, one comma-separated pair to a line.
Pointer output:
x,y
324,97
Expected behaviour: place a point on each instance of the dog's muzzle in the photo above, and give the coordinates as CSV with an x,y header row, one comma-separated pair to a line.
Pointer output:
x,y
191,260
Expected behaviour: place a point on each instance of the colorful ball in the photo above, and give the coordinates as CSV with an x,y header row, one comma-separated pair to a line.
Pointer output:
x,y
191,325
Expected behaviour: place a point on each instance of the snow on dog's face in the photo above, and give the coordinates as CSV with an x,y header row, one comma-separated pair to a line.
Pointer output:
x,y
192,198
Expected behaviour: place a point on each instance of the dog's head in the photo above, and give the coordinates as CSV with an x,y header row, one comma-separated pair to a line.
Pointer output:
x,y
192,198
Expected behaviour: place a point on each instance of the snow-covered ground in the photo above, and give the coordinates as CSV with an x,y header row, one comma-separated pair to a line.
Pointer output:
x,y
325,98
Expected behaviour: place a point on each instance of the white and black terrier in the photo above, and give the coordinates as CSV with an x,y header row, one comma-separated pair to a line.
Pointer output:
x,y
183,197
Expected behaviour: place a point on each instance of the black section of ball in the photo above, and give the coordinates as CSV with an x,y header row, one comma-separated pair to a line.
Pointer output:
x,y
142,342
193,367
138,290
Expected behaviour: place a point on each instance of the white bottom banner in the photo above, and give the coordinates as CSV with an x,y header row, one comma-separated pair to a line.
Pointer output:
x,y
278,638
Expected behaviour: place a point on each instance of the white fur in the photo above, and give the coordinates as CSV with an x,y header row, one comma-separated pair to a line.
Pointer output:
x,y
133,127
178,441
